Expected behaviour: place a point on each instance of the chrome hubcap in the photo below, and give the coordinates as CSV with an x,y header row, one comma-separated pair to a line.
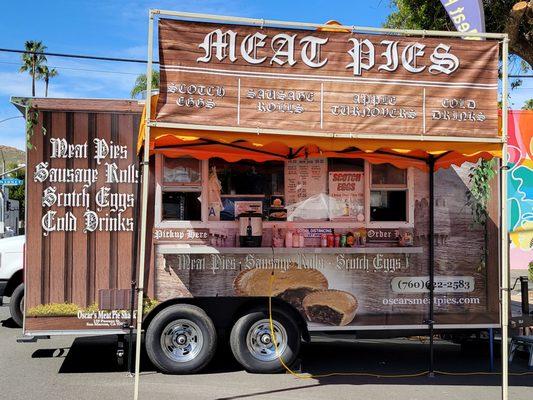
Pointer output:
x,y
265,339
260,342
182,340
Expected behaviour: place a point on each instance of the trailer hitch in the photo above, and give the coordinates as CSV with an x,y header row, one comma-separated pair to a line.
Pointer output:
x,y
32,338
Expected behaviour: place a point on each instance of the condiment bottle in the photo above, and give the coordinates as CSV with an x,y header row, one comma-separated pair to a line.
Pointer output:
x,y
323,240
296,239
343,240
288,238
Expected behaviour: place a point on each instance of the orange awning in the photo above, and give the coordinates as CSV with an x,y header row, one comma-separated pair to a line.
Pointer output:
x,y
234,146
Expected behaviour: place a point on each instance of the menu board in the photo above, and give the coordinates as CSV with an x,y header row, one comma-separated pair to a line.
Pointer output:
x,y
347,195
305,178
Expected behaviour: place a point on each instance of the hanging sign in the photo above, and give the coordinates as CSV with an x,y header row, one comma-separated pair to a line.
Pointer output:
x,y
347,195
269,80
305,178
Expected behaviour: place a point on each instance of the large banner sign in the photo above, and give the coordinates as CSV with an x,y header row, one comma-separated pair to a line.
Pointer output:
x,y
273,80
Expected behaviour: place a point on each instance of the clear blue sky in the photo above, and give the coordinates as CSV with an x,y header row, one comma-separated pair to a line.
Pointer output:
x,y
119,29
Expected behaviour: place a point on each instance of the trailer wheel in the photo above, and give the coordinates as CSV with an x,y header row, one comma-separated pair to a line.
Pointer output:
x,y
181,339
16,305
252,345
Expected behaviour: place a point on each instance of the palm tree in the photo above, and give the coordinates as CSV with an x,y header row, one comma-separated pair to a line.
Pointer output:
x,y
140,83
47,73
528,105
33,61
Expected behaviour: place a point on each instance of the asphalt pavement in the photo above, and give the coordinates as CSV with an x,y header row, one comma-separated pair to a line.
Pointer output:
x,y
85,368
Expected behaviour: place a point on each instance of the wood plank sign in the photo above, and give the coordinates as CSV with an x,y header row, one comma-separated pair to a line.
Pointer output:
x,y
82,182
272,80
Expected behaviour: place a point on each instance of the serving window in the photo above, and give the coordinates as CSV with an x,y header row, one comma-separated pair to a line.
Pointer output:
x,y
249,177
181,182
388,194
333,192
182,171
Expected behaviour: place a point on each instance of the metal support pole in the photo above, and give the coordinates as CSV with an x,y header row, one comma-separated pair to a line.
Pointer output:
x,y
430,322
131,370
491,349
503,228
144,204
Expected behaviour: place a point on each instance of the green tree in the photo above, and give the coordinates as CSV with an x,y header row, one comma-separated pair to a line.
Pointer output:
x,y
47,73
478,197
33,61
140,83
515,18
528,105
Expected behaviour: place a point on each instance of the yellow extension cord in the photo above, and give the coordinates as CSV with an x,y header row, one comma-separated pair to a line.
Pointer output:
x,y
365,374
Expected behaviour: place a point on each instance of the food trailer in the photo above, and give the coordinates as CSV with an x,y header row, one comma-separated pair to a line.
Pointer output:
x,y
347,175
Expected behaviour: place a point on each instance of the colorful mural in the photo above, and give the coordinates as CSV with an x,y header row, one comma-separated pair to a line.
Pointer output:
x,y
520,188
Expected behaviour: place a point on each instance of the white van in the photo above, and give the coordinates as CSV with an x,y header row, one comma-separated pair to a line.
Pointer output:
x,y
11,275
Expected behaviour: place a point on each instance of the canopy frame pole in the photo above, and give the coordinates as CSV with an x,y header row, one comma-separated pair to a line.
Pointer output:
x,y
144,204
504,237
329,135
231,145
308,25
131,370
431,237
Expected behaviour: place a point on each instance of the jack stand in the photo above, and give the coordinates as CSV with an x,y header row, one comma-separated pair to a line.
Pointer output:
x,y
120,350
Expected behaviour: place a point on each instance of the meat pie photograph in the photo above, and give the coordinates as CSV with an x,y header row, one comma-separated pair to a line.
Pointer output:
x,y
330,307
292,285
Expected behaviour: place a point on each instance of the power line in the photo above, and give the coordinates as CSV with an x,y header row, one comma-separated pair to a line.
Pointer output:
x,y
136,74
85,57
129,60
79,69
7,119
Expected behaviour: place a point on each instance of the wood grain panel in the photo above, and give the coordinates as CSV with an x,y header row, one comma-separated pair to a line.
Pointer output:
x,y
125,239
91,236
88,105
57,240
74,266
102,251
79,237
33,273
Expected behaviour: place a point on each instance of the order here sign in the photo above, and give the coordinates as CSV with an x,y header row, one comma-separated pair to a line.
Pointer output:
x,y
317,81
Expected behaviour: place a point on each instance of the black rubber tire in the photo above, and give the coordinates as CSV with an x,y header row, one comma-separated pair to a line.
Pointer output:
x,y
242,353
158,324
17,297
